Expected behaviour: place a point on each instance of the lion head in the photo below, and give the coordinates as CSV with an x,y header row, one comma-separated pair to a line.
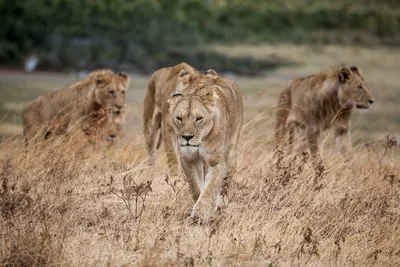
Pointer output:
x,y
193,112
110,89
353,89
104,125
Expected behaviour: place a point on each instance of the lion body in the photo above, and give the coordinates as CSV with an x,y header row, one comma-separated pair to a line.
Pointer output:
x,y
319,102
207,119
156,119
66,109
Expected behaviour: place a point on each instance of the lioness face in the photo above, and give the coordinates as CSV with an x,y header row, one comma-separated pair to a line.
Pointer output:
x,y
111,91
192,119
354,91
114,125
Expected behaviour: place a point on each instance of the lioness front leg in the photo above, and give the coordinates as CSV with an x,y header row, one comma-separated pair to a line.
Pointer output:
x,y
312,138
342,138
193,169
206,205
168,137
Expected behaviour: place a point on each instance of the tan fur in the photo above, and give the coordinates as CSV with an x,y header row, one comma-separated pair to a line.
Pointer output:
x,y
321,101
66,109
207,118
104,126
156,119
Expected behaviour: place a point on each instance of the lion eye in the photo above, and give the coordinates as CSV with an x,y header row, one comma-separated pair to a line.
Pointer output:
x,y
111,92
199,119
361,88
123,92
179,118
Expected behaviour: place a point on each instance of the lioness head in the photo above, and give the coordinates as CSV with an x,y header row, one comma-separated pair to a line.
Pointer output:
x,y
193,114
110,88
105,125
353,90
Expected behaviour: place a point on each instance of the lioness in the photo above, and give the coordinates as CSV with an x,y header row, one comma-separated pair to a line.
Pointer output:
x,y
207,117
156,115
322,101
63,110
104,126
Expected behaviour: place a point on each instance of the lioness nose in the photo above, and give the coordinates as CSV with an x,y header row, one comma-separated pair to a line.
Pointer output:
x,y
119,106
187,137
371,101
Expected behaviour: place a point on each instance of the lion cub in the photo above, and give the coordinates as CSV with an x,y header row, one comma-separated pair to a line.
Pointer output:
x,y
319,102
207,117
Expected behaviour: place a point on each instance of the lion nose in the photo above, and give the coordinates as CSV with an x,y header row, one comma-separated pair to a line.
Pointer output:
x,y
371,101
187,137
119,106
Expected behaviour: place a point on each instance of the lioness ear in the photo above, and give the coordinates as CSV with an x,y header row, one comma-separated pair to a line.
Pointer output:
x,y
210,98
344,74
125,78
211,72
184,80
174,97
100,81
184,76
355,69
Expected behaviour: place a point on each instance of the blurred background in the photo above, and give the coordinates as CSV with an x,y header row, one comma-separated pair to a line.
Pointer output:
x,y
47,44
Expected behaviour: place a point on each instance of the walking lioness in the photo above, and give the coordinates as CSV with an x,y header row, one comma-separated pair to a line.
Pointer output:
x,y
321,101
207,118
156,116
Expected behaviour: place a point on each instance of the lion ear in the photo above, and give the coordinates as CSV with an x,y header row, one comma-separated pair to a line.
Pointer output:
x,y
344,74
355,69
124,77
211,72
100,82
174,97
210,98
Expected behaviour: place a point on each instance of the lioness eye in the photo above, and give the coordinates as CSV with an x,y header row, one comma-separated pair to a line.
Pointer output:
x,y
179,118
361,88
123,92
111,92
199,118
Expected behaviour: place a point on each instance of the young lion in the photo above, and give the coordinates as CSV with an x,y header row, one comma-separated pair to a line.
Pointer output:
x,y
156,116
322,101
207,118
63,110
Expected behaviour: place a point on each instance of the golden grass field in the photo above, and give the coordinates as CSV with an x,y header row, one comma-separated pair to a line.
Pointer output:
x,y
63,206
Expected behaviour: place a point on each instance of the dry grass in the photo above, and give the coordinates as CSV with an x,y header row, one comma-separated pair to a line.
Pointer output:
x,y
62,206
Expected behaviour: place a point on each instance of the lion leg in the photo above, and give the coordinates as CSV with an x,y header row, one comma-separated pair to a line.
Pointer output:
x,y
150,136
206,203
342,138
194,172
231,163
291,130
312,138
168,136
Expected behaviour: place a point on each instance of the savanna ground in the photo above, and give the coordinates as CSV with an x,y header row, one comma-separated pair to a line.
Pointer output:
x,y
109,209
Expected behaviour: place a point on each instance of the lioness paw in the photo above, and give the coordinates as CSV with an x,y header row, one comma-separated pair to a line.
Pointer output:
x,y
202,212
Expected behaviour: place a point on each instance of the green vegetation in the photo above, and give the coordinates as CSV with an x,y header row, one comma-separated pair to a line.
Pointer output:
x,y
146,35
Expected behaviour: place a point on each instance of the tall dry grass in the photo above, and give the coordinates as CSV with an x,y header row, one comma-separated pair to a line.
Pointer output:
x,y
62,206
